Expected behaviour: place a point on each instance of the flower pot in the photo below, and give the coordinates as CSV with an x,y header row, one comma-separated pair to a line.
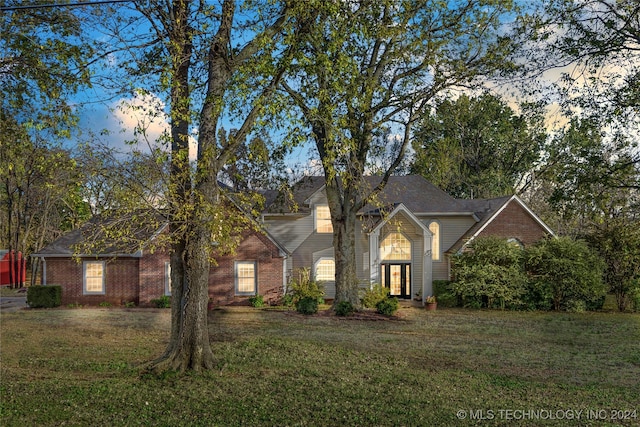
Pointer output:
x,y
431,306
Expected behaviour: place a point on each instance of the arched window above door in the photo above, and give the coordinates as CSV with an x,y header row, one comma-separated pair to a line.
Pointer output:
x,y
395,247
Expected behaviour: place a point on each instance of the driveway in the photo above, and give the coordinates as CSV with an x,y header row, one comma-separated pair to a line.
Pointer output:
x,y
8,304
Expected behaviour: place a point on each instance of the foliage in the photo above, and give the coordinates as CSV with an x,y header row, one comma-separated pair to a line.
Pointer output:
x,y
256,301
477,147
617,241
442,291
344,308
489,273
363,68
105,304
303,286
387,306
566,271
44,296
163,302
431,299
307,305
374,295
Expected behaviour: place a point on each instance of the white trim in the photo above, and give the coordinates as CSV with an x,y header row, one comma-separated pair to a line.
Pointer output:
x,y
167,278
315,219
255,278
440,251
315,269
84,278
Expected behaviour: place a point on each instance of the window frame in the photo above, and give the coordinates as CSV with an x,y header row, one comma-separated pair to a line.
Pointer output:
x,y
315,269
167,278
85,277
390,260
436,239
236,276
327,225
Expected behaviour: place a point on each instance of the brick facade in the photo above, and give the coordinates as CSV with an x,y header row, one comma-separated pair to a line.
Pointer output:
x,y
142,279
515,222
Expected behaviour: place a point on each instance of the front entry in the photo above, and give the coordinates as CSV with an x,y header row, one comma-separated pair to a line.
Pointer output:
x,y
397,277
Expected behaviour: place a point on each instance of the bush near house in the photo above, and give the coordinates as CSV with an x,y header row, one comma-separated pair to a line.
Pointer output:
x,y
566,273
490,274
374,295
555,273
44,296
303,286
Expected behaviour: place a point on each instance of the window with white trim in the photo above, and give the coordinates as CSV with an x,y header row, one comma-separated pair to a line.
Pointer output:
x,y
323,219
326,270
167,278
395,247
245,274
93,278
434,227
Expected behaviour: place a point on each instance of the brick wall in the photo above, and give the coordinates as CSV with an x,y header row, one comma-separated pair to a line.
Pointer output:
x,y
515,222
152,276
254,247
121,281
142,279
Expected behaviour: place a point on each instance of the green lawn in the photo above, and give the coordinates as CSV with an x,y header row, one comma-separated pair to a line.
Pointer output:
x,y
449,367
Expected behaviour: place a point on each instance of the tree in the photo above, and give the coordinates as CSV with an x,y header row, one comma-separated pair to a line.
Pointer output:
x,y
42,61
618,243
212,63
567,270
477,147
371,66
598,42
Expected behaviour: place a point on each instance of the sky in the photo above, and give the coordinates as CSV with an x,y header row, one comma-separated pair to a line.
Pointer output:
x,y
119,118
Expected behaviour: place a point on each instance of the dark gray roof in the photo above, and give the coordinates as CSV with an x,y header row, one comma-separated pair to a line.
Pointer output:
x,y
484,209
101,236
415,192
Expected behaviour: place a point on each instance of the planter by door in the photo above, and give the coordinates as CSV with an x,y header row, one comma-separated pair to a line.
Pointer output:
x,y
431,306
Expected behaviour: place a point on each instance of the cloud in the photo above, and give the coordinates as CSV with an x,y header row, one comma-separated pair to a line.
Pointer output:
x,y
139,122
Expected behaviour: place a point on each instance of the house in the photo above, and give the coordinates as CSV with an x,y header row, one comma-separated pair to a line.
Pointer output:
x,y
121,274
404,240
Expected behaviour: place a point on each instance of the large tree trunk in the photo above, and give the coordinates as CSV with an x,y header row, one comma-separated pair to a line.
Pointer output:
x,y
189,347
343,219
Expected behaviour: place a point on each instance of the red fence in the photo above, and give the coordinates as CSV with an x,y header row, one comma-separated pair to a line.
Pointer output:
x,y
13,269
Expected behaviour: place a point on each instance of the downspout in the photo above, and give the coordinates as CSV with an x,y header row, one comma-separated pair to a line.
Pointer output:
x,y
43,279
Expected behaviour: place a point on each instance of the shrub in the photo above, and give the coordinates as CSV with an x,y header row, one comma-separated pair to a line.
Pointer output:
x,y
565,271
256,301
490,274
130,304
344,308
44,296
374,295
163,302
304,287
388,306
287,300
307,305
634,296
105,304
442,291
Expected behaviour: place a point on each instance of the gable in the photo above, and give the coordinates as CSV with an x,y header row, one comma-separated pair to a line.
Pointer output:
x,y
507,217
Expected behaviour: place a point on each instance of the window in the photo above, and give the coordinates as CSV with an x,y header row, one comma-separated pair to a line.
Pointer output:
x,y
323,219
93,277
395,247
434,227
245,278
167,278
326,270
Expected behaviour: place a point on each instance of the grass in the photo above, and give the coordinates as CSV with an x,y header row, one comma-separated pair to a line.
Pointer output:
x,y
81,367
